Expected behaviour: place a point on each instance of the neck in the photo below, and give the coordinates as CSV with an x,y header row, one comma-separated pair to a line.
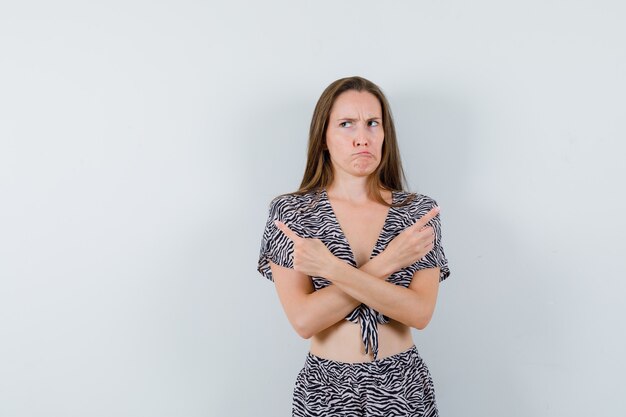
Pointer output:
x,y
354,189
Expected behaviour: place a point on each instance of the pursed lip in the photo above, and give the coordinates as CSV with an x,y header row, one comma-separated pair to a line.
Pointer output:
x,y
364,153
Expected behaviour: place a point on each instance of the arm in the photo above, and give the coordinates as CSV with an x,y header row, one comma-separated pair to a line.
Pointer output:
x,y
413,306
309,311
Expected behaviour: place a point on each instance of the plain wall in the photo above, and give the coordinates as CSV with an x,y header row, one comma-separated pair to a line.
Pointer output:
x,y
141,143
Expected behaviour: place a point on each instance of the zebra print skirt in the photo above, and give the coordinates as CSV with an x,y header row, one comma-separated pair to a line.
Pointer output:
x,y
397,385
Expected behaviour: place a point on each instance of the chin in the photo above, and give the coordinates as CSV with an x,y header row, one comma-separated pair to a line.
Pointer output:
x,y
361,172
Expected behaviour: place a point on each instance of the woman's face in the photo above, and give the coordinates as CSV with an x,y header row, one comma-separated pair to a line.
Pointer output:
x,y
354,135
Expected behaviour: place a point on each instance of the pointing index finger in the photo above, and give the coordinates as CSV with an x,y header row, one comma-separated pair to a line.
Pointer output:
x,y
421,222
286,230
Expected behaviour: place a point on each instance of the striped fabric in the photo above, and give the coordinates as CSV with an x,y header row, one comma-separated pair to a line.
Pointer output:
x,y
398,385
311,216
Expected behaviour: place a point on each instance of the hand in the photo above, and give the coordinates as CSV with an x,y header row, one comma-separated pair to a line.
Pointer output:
x,y
413,243
310,256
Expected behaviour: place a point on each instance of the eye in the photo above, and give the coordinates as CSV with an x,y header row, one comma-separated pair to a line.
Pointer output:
x,y
343,124
374,123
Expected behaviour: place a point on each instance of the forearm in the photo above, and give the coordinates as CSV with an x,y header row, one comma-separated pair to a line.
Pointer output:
x,y
397,302
325,307
331,304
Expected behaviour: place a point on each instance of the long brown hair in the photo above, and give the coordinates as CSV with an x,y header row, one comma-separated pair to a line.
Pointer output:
x,y
318,173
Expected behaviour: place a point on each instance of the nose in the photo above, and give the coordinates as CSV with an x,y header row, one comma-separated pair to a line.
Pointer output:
x,y
362,137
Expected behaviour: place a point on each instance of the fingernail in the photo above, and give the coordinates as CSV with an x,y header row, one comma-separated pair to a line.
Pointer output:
x,y
276,222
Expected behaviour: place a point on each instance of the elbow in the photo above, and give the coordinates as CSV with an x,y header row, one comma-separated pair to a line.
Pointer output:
x,y
422,316
301,321
304,333
302,328
421,322
421,325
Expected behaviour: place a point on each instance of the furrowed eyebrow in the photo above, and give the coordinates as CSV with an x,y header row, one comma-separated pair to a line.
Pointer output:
x,y
350,119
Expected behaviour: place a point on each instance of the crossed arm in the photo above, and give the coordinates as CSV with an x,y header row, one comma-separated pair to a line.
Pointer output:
x,y
310,312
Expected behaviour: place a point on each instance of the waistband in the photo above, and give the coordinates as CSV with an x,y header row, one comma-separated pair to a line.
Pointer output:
x,y
331,370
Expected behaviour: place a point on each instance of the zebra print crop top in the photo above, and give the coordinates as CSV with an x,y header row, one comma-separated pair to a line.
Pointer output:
x,y
311,216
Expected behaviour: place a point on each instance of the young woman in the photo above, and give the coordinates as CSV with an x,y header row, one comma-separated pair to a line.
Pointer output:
x,y
356,261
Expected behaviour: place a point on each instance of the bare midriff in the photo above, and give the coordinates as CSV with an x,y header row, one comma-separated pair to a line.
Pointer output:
x,y
361,225
342,341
